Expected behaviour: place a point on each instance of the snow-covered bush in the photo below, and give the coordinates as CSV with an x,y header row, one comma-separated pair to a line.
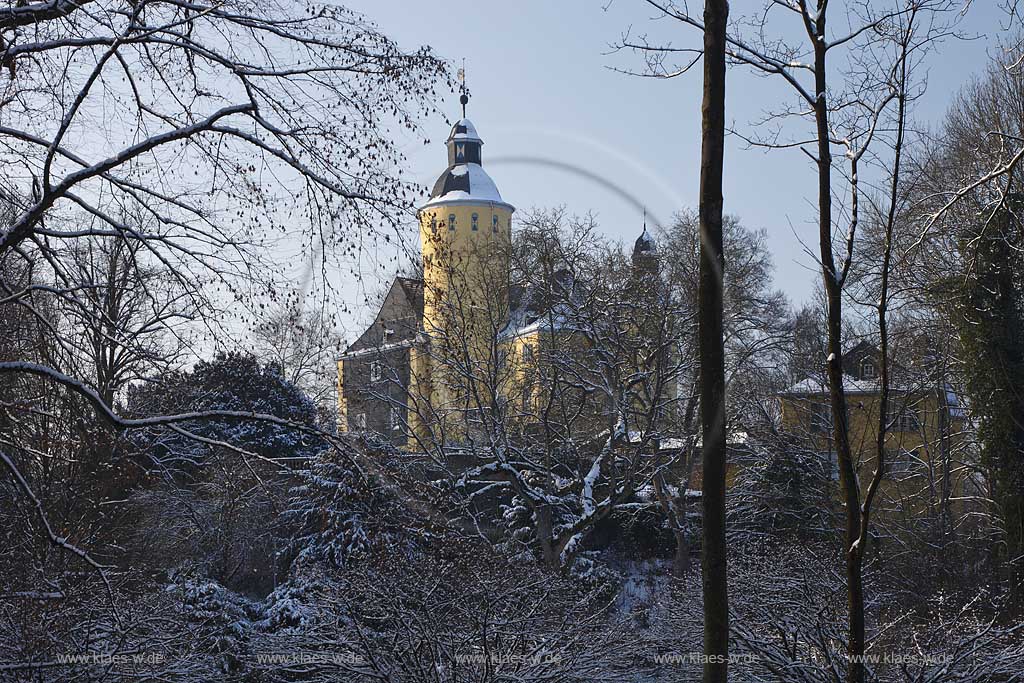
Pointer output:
x,y
784,488
230,382
214,488
339,512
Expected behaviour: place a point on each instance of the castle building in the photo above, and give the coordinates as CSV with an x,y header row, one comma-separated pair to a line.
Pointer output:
x,y
924,427
430,359
922,418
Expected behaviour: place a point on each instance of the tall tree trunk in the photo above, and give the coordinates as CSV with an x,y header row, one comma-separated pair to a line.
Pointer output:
x,y
712,355
848,482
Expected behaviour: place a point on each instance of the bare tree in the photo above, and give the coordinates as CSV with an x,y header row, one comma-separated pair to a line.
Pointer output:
x,y
303,344
124,313
852,118
712,346
198,119
756,329
155,155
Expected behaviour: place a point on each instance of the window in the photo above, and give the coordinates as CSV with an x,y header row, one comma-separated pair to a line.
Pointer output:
x,y
821,418
903,417
433,223
494,223
451,221
527,353
395,418
361,421
375,371
475,225
460,151
900,461
867,370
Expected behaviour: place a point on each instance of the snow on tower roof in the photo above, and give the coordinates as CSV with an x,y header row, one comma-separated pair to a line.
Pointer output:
x,y
645,244
464,182
464,130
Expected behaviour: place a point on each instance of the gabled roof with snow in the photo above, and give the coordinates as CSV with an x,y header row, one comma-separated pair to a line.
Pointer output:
x,y
856,359
813,386
818,387
529,311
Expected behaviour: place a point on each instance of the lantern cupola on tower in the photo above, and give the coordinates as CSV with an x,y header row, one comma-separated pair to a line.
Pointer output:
x,y
465,179
464,145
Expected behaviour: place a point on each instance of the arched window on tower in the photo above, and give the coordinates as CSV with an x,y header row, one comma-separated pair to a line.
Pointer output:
x,y
494,223
451,221
433,223
476,223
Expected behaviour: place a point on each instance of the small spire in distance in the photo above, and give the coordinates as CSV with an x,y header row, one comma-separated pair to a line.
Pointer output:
x,y
464,89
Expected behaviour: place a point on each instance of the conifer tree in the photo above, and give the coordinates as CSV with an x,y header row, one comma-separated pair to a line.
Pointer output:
x,y
992,326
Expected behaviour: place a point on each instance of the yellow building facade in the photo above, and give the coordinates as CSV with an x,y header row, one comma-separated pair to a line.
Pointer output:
x,y
915,421
462,345
924,429
466,242
447,334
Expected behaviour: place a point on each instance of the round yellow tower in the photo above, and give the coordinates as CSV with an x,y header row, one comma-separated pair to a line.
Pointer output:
x,y
466,238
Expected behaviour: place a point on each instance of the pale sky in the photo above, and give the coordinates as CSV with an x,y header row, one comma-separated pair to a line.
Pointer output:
x,y
543,90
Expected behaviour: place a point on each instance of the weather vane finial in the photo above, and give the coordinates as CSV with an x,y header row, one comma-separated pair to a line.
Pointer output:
x,y
464,97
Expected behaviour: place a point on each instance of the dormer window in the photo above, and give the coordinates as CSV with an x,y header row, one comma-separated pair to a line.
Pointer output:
x,y
494,223
475,225
451,222
867,370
